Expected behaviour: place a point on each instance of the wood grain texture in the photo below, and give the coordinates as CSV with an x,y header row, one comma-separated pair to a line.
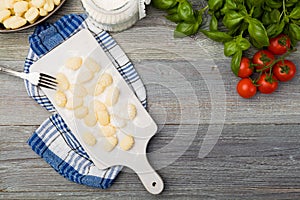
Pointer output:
x,y
190,90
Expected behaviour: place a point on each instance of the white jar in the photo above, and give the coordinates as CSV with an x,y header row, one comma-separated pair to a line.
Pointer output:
x,y
115,15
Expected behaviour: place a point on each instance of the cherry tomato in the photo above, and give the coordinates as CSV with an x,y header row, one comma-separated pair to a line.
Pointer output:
x,y
280,44
284,70
267,84
262,58
245,68
246,88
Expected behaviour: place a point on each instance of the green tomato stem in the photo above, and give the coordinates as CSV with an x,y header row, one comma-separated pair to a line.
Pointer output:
x,y
270,66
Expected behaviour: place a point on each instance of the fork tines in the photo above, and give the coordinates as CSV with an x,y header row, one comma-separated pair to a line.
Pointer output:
x,y
47,81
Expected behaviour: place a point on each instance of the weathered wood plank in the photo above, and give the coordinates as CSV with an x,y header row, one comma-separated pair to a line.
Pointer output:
x,y
249,161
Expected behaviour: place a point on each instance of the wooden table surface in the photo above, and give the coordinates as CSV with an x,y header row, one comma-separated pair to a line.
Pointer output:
x,y
211,143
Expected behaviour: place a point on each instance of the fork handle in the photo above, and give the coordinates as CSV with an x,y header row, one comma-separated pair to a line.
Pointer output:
x,y
11,72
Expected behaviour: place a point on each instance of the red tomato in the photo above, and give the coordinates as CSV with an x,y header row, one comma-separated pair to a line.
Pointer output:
x,y
262,58
284,70
267,84
246,88
280,44
245,68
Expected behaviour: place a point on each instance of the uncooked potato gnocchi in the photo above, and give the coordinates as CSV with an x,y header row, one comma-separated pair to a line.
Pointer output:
x,y
131,111
108,130
81,112
16,13
63,82
73,63
103,117
89,138
127,142
112,96
74,102
60,99
110,143
90,119
92,65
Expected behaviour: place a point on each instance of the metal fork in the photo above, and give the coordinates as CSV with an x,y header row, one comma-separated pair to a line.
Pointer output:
x,y
35,78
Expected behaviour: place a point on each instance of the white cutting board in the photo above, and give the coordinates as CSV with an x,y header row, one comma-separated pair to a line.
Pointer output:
x,y
142,128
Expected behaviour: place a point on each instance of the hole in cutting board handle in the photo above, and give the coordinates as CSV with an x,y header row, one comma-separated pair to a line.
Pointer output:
x,y
153,184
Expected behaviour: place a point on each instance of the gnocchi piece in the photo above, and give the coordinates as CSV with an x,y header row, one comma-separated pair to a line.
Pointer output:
x,y
127,142
56,2
38,3
90,119
14,22
131,111
99,89
105,80
9,4
117,121
20,7
89,138
63,82
2,5
49,5
4,14
32,15
103,117
98,106
60,99
73,63
108,131
112,96
43,12
110,143
92,65
84,76
81,112
74,103
78,90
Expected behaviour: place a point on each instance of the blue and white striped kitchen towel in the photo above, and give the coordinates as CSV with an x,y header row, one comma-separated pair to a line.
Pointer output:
x,y
53,140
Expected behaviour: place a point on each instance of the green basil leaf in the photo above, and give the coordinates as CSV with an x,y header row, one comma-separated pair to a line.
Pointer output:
x,y
164,4
266,20
258,32
257,12
184,29
186,12
236,61
199,16
291,3
274,4
296,22
213,25
172,10
217,35
215,5
232,19
294,30
174,18
275,29
243,43
230,48
295,14
275,16
267,8
229,5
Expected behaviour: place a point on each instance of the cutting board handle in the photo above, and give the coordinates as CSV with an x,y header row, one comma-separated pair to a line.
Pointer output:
x,y
148,176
